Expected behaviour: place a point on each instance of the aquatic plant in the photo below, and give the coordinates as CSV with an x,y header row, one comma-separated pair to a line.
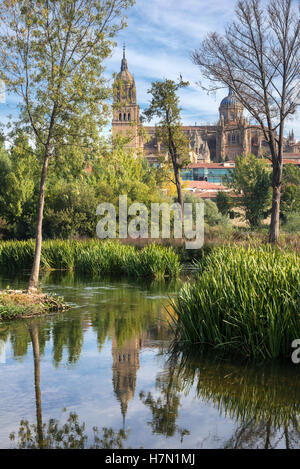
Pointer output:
x,y
96,258
244,301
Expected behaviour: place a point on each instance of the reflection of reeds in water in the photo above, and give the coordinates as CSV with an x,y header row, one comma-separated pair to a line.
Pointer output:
x,y
269,393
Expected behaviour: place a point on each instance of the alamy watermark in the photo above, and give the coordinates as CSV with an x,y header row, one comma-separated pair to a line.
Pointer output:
x,y
2,92
2,352
296,354
136,222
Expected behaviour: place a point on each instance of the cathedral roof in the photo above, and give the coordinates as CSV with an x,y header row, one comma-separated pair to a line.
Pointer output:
x,y
230,100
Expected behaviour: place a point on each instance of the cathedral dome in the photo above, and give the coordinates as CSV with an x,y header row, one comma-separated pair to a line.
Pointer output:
x,y
126,76
230,100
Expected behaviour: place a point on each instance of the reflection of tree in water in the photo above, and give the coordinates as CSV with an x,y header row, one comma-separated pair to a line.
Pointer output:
x,y
165,408
128,312
67,334
19,336
116,309
69,435
263,400
54,435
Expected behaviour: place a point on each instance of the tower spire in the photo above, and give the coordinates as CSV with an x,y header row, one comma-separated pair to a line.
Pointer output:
x,y
124,65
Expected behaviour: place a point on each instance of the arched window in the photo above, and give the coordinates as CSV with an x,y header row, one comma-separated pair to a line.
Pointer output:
x,y
129,116
124,116
233,138
120,116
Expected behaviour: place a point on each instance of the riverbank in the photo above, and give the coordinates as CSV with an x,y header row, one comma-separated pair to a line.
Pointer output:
x,y
18,304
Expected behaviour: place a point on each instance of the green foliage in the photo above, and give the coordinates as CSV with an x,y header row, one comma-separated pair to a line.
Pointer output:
x,y
121,173
11,311
213,216
290,198
96,258
251,181
243,302
72,196
215,224
292,223
224,203
17,188
70,209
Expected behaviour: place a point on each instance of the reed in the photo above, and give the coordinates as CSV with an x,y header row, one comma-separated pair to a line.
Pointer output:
x,y
244,301
95,258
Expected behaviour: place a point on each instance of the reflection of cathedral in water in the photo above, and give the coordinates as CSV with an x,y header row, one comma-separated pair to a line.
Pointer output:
x,y
126,363
125,366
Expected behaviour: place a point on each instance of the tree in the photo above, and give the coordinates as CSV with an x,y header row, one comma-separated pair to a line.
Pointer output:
x,y
51,56
259,58
70,209
224,203
251,181
18,170
165,106
120,172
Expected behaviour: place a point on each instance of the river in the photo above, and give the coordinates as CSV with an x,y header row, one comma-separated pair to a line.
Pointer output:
x,y
101,375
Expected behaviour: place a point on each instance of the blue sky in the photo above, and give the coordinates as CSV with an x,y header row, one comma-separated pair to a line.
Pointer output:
x,y
159,39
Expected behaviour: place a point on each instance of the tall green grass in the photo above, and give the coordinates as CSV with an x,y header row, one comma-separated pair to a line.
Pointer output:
x,y
244,302
96,258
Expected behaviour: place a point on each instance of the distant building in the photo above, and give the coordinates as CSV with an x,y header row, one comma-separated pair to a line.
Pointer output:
x,y
230,137
126,112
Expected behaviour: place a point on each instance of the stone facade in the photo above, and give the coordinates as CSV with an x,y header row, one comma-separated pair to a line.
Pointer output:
x,y
230,137
126,111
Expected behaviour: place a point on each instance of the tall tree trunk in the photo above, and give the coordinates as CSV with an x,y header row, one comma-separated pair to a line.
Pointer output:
x,y
178,182
276,185
33,329
179,188
34,277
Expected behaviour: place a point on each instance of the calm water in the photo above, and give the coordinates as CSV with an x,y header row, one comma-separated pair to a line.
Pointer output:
x,y
105,364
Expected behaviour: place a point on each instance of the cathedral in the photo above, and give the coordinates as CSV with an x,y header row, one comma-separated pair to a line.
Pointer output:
x,y
230,137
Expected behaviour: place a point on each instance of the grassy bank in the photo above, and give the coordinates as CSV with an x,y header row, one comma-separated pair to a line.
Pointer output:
x,y
244,301
21,305
96,258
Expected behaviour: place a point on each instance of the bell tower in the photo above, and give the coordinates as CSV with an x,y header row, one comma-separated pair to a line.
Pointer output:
x,y
126,112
